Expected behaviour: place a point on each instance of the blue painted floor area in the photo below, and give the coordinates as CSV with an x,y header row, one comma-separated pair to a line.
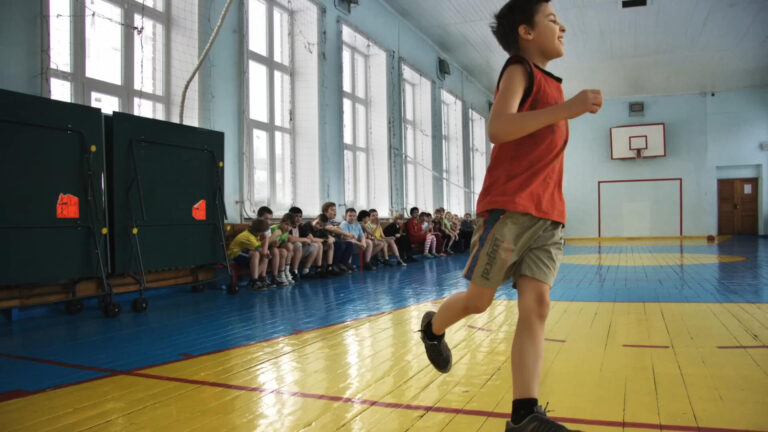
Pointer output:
x,y
32,376
180,322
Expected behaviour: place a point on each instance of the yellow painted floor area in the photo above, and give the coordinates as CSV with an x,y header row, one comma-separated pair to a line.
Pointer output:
x,y
645,241
372,375
649,259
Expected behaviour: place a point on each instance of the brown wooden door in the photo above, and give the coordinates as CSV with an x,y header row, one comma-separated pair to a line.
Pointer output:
x,y
737,206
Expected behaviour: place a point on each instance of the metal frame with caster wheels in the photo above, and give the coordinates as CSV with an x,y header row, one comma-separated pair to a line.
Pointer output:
x,y
139,304
75,306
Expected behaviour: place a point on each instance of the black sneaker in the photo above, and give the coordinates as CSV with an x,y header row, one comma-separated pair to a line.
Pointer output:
x,y
256,284
538,421
438,352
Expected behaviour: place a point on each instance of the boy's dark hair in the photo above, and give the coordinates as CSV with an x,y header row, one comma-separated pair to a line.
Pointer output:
x,y
295,210
509,19
322,218
328,205
350,210
288,217
413,209
422,214
373,211
362,215
258,226
264,210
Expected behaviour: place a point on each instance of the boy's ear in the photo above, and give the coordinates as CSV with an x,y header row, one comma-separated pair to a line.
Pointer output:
x,y
525,32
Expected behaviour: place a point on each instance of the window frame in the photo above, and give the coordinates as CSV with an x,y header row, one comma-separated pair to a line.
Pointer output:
x,y
82,86
270,127
473,116
412,160
355,100
445,137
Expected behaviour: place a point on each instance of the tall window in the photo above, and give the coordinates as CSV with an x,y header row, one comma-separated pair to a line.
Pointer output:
x,y
271,153
366,156
453,154
479,147
110,54
417,139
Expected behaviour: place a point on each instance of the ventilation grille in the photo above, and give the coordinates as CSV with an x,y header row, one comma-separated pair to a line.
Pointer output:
x,y
633,3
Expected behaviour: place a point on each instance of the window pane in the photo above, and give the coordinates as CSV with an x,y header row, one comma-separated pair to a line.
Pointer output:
x,y
283,171
258,95
148,108
410,180
360,72
281,34
61,90
349,177
346,59
257,27
157,4
148,56
61,35
103,42
409,101
361,126
260,186
107,103
362,179
282,99
410,150
348,122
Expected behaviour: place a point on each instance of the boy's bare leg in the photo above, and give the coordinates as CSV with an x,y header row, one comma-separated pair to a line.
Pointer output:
x,y
528,344
378,247
329,255
368,249
275,259
474,300
263,267
393,248
296,257
254,265
283,258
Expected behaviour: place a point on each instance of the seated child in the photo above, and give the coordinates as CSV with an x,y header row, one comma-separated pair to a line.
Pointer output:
x,y
246,251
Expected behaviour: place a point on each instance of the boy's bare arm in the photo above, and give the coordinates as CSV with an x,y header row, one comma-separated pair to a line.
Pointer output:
x,y
506,124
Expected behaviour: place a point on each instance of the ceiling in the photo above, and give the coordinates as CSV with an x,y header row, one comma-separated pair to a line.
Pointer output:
x,y
667,47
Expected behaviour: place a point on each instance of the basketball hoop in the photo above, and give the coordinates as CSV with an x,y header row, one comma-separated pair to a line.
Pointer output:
x,y
638,141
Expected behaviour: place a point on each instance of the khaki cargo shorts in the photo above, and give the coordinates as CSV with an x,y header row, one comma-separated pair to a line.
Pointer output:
x,y
507,244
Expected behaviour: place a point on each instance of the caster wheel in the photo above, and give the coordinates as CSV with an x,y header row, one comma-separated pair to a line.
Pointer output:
x,y
74,307
112,310
139,304
233,289
198,288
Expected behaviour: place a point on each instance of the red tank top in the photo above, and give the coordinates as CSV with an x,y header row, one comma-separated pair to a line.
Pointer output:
x,y
526,175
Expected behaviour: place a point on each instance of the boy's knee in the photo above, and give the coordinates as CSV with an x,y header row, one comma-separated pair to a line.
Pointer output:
x,y
478,304
536,307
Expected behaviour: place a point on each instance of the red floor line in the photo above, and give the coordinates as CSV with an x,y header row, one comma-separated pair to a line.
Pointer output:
x,y
358,401
743,347
13,394
186,356
645,346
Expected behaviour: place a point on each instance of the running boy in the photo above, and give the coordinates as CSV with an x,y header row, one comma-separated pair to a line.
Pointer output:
x,y
521,207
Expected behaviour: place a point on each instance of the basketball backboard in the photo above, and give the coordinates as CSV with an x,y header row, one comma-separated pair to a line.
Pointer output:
x,y
638,141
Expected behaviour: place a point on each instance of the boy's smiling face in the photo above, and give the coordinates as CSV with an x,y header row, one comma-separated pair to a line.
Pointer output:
x,y
546,36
